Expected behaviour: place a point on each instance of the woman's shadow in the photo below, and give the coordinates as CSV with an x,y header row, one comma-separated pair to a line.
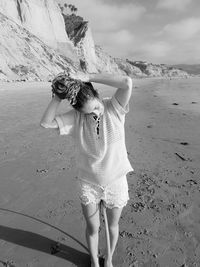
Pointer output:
x,y
44,244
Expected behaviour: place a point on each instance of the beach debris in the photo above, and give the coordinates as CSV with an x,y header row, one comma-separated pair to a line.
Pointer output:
x,y
138,206
8,263
191,182
41,170
175,104
182,158
55,248
145,231
184,143
126,234
154,204
171,206
149,126
193,102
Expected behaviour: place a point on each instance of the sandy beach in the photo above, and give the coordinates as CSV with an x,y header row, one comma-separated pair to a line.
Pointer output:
x,y
160,226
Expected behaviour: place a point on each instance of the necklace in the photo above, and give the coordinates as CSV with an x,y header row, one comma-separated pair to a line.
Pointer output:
x,y
97,119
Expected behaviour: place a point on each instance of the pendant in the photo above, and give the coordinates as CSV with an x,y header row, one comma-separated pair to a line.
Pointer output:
x,y
97,119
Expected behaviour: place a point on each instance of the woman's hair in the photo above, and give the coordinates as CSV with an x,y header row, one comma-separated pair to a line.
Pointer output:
x,y
86,93
75,91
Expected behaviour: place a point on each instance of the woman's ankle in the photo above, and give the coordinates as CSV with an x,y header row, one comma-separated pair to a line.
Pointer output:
x,y
95,262
108,262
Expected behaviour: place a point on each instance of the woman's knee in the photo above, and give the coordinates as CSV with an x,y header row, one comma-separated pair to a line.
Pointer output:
x,y
113,216
91,214
92,228
113,226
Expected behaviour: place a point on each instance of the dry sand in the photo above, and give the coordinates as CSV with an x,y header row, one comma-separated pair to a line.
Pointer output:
x,y
38,206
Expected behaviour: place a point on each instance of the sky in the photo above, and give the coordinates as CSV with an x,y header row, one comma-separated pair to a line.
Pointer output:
x,y
157,31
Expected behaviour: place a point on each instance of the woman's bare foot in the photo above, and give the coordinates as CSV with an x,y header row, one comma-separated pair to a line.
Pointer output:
x,y
95,263
108,263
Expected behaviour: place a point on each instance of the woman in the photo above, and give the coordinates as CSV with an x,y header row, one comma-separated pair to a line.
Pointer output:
x,y
97,126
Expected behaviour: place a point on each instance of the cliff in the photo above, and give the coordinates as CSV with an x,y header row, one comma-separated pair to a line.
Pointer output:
x,y
129,68
158,70
40,38
43,19
80,34
193,69
93,58
25,57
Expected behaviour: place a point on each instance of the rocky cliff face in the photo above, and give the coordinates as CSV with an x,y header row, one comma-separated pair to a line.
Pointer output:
x,y
106,63
129,68
38,40
25,57
193,69
94,59
81,36
43,19
158,70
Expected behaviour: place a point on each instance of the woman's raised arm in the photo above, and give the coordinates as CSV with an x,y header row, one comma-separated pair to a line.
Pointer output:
x,y
118,81
48,118
123,83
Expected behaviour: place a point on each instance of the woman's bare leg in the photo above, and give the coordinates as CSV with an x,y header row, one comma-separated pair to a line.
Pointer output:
x,y
113,216
91,214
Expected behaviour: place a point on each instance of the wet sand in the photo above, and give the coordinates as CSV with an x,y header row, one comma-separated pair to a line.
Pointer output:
x,y
160,226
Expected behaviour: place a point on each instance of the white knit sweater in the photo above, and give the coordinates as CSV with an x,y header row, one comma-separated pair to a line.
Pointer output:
x,y
100,158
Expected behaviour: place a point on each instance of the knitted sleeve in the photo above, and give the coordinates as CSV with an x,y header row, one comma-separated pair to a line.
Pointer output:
x,y
66,122
119,110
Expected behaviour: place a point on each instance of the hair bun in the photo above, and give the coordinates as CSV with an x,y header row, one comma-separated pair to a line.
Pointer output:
x,y
66,87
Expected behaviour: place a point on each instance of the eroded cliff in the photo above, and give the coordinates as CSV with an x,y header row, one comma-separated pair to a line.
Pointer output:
x,y
43,19
25,57
39,39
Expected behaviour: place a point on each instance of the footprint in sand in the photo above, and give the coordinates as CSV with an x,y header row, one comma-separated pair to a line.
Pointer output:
x,y
193,102
41,170
55,248
175,104
7,263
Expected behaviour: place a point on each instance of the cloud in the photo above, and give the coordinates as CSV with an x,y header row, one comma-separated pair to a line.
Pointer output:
x,y
117,2
117,43
182,30
122,37
124,28
112,25
105,17
157,49
179,5
176,42
153,51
